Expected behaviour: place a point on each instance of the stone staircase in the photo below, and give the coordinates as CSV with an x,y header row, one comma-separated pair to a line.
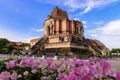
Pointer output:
x,y
89,42
39,45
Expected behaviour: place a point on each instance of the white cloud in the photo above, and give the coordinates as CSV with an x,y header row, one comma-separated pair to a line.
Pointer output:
x,y
108,34
74,4
91,4
39,30
111,28
88,6
34,30
98,23
84,22
85,5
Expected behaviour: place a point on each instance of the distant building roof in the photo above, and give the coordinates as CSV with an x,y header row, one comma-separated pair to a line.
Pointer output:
x,y
15,43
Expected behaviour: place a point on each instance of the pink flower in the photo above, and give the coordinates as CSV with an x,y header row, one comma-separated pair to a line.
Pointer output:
x,y
4,75
62,76
87,77
36,63
77,71
34,71
58,65
49,61
25,73
92,69
13,76
96,59
19,76
75,63
118,76
72,76
26,62
65,69
10,64
106,67
113,74
99,73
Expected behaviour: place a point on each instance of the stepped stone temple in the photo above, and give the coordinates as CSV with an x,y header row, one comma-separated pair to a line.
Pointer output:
x,y
64,35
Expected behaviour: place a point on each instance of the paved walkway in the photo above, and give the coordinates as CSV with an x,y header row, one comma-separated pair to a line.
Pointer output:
x,y
115,64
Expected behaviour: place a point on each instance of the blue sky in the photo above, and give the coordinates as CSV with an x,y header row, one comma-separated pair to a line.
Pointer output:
x,y
22,20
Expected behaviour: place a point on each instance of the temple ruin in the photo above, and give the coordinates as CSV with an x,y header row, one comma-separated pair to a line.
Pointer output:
x,y
64,35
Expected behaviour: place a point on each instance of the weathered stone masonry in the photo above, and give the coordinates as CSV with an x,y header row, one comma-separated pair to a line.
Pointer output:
x,y
62,34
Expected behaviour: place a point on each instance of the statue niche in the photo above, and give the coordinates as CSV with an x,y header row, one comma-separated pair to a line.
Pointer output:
x,y
48,28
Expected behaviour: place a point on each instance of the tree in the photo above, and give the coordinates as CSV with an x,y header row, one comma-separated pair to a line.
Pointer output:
x,y
91,53
5,47
65,53
115,50
25,44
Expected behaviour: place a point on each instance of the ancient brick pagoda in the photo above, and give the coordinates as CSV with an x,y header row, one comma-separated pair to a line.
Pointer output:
x,y
62,34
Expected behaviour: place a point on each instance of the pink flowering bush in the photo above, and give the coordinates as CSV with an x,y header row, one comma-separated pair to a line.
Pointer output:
x,y
49,69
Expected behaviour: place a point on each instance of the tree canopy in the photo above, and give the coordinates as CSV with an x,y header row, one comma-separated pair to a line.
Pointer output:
x,y
115,50
4,45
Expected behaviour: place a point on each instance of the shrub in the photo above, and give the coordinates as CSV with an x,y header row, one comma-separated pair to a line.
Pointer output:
x,y
41,69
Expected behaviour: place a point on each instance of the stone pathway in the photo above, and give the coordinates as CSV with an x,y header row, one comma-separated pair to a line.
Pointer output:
x,y
115,64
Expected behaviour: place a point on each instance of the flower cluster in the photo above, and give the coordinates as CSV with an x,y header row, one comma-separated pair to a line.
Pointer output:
x,y
49,69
